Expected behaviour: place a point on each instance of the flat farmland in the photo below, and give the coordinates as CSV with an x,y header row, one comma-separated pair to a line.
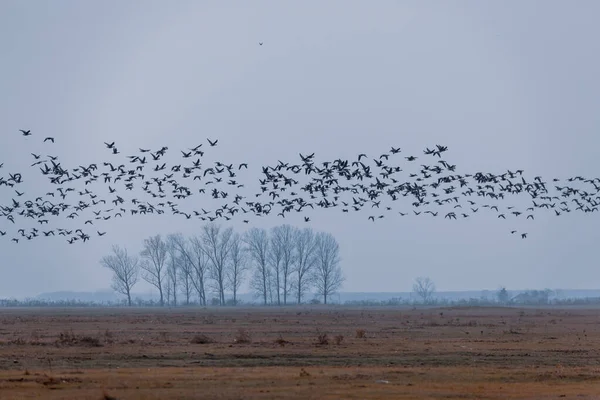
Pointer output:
x,y
300,352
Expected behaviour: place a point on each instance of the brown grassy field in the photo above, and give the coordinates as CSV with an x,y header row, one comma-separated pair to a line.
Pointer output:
x,y
285,353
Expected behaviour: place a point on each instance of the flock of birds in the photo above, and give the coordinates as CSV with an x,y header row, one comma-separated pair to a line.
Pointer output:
x,y
94,193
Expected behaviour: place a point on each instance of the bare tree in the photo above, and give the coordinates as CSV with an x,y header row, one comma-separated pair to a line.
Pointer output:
x,y
238,265
286,237
193,251
154,257
168,292
424,288
502,295
304,254
270,286
274,257
185,277
257,242
282,257
172,266
328,276
217,245
172,280
125,271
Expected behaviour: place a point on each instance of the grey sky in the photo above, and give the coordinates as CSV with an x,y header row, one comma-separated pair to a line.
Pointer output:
x,y
508,84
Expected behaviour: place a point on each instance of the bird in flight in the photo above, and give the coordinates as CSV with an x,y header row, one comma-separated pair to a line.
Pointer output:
x,y
260,43
431,186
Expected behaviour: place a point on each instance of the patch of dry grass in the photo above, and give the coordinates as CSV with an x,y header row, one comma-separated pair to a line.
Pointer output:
x,y
202,339
242,336
69,338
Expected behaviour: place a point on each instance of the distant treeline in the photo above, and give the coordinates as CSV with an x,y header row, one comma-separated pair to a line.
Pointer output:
x,y
394,302
473,302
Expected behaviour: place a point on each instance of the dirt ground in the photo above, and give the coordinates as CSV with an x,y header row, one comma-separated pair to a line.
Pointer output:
x,y
305,353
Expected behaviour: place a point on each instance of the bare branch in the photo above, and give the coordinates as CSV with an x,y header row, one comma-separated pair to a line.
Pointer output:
x,y
238,265
305,246
257,242
154,257
216,246
125,271
328,276
193,251
173,266
186,277
274,257
282,257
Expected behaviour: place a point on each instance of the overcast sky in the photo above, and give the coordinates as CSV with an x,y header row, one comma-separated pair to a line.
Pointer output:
x,y
504,84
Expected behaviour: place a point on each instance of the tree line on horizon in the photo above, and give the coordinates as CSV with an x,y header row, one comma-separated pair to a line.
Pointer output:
x,y
281,265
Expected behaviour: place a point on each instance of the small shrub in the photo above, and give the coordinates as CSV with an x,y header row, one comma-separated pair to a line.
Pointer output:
x,y
322,338
68,338
281,341
163,337
89,341
18,341
361,334
338,339
202,339
109,337
242,336
106,396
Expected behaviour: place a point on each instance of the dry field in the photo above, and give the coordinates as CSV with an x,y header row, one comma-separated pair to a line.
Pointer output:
x,y
304,353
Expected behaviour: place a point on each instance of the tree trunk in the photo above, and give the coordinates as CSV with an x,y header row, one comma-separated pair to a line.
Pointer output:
x,y
221,292
277,288
174,293
299,290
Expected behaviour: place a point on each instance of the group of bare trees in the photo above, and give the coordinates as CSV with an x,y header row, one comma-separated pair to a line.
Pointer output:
x,y
283,265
